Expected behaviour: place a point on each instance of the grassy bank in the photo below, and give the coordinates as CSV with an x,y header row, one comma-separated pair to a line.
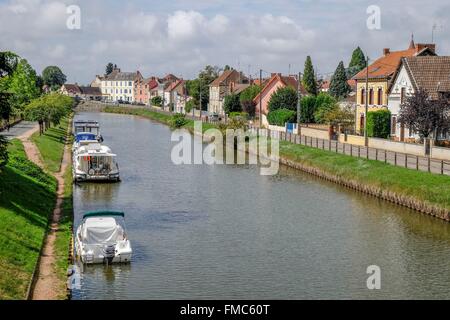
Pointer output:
x,y
51,145
426,187
27,199
156,116
64,235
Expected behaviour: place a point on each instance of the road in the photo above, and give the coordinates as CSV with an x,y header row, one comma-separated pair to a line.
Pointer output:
x,y
18,130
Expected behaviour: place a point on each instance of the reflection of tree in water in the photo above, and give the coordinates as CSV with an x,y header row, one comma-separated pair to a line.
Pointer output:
x,y
97,191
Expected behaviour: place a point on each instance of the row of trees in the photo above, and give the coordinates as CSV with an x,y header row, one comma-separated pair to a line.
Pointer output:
x,y
242,102
21,86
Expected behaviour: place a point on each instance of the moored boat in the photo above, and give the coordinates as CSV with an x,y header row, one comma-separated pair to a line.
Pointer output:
x,y
94,162
102,238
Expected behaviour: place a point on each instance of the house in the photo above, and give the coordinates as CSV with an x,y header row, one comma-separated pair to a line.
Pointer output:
x,y
142,90
97,82
177,96
431,73
120,86
275,82
223,86
85,93
380,75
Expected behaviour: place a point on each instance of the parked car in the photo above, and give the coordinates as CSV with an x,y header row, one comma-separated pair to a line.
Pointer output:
x,y
214,117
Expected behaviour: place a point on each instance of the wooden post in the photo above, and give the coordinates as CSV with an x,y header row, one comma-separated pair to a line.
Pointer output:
x,y
442,166
395,158
376,154
429,164
351,150
385,156
406,161
329,145
359,151
417,162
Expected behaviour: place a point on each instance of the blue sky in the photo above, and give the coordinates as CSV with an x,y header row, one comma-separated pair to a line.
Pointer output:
x,y
182,36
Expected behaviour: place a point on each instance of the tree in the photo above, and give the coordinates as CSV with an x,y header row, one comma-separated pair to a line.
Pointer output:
x,y
246,98
8,63
109,68
53,77
339,87
423,115
232,104
3,151
324,103
308,108
201,85
284,98
357,63
48,109
22,86
309,78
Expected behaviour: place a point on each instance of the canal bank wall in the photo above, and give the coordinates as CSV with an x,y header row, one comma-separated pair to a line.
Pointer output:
x,y
402,198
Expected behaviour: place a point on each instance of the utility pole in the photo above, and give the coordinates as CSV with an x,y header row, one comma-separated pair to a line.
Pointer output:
x,y
260,98
200,89
366,139
299,97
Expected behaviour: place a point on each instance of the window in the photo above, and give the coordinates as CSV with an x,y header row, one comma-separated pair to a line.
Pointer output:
x,y
129,83
380,96
394,125
363,96
371,96
402,95
140,91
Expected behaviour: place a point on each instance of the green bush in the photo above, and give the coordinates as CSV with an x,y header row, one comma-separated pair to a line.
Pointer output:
x,y
324,104
280,116
3,151
178,120
156,101
379,124
243,115
232,104
307,109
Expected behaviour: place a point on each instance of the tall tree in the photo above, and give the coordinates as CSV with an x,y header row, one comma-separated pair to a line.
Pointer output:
x,y
339,88
324,104
357,63
23,85
8,63
200,86
53,77
309,78
109,68
425,116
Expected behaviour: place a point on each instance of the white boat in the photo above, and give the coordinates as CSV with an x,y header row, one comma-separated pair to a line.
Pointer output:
x,y
101,238
87,126
94,162
83,138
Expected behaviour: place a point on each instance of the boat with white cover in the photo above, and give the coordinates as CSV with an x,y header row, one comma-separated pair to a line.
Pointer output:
x,y
94,162
91,126
102,238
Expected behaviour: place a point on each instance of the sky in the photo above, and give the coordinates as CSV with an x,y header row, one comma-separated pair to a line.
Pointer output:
x,y
158,37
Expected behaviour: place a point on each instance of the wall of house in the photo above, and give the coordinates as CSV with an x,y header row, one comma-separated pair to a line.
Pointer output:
x,y
215,105
394,102
118,90
266,97
375,85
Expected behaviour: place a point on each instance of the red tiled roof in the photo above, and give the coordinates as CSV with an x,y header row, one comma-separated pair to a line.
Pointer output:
x,y
386,66
224,76
285,80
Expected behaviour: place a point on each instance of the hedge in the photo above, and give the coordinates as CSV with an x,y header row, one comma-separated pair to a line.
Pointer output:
x,y
280,116
379,124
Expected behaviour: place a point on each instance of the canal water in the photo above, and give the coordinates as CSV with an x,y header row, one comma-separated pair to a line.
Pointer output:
x,y
226,232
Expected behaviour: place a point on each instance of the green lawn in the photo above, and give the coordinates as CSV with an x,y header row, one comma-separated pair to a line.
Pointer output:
x,y
51,145
63,237
427,187
27,198
154,115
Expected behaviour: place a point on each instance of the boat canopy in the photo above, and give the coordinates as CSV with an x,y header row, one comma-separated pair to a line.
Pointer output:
x,y
85,136
104,213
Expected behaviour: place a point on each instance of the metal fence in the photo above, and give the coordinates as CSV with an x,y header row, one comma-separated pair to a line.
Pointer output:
x,y
404,160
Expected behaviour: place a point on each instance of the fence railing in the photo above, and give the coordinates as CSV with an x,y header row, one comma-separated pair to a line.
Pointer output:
x,y
404,160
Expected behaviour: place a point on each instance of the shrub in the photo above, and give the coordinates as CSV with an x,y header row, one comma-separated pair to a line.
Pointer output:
x,y
379,124
156,101
3,151
178,120
242,115
189,106
281,116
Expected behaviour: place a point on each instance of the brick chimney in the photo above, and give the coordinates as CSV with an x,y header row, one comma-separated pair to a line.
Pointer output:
x,y
386,51
421,46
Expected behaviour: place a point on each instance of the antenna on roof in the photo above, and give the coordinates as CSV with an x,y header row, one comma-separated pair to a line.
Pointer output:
x,y
433,29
